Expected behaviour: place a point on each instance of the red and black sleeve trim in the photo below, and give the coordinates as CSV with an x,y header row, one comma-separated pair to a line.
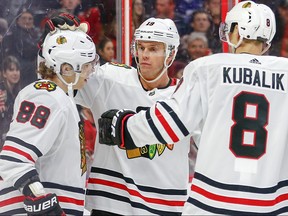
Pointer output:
x,y
24,144
154,128
29,175
176,119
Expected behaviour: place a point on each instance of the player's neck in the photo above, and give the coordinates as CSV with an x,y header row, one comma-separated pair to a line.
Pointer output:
x,y
252,49
161,83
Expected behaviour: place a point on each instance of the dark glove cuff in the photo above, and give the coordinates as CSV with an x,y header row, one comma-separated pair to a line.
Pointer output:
x,y
44,205
126,139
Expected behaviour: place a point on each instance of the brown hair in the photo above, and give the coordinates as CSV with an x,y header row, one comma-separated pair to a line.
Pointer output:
x,y
45,72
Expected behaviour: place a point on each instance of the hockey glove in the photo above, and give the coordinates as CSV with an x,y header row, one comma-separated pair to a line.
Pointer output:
x,y
112,128
44,205
37,202
62,21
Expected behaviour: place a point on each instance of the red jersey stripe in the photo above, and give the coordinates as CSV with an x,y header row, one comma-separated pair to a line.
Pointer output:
x,y
240,201
18,151
11,201
71,200
166,126
136,193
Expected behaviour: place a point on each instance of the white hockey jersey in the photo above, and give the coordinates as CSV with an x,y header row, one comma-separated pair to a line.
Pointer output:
x,y
240,103
151,180
44,138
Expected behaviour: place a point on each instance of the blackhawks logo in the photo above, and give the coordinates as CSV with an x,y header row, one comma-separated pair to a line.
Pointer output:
x,y
83,164
120,65
45,85
61,40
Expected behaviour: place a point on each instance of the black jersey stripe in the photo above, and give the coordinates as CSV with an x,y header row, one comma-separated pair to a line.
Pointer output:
x,y
176,119
140,187
7,190
24,144
72,211
127,200
222,211
20,211
9,158
63,187
242,188
154,128
25,177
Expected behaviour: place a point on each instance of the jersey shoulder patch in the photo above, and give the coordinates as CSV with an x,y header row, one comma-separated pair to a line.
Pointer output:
x,y
45,85
120,65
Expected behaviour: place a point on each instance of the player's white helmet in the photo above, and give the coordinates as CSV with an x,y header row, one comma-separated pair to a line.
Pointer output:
x,y
255,22
158,30
73,47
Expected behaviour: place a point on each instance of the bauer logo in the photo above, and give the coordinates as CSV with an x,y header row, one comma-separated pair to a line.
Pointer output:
x,y
41,207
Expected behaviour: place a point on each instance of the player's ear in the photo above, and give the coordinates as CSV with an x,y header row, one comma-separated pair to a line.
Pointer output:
x,y
170,58
234,34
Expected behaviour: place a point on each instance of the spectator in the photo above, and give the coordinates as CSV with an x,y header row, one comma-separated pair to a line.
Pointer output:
x,y
3,33
166,9
200,22
22,43
196,46
138,14
11,83
12,8
213,7
69,6
93,16
106,50
110,32
187,7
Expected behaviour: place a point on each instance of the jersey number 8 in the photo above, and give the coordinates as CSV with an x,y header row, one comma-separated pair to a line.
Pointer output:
x,y
247,122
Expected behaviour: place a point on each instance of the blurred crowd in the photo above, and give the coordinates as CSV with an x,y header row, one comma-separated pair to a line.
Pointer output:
x,y
22,23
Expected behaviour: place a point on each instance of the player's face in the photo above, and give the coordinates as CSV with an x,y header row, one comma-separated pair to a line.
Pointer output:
x,y
151,56
86,71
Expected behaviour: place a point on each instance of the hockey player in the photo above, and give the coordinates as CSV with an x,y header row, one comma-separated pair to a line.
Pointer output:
x,y
141,181
43,158
239,102
153,179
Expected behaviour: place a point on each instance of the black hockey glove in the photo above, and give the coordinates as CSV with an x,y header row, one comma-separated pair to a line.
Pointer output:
x,y
37,202
112,128
43,205
62,21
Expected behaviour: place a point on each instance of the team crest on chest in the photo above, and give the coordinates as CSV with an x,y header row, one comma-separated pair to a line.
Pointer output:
x,y
83,165
45,85
120,65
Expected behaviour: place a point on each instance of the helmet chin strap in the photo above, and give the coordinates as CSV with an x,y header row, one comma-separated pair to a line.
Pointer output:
x,y
69,85
234,47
